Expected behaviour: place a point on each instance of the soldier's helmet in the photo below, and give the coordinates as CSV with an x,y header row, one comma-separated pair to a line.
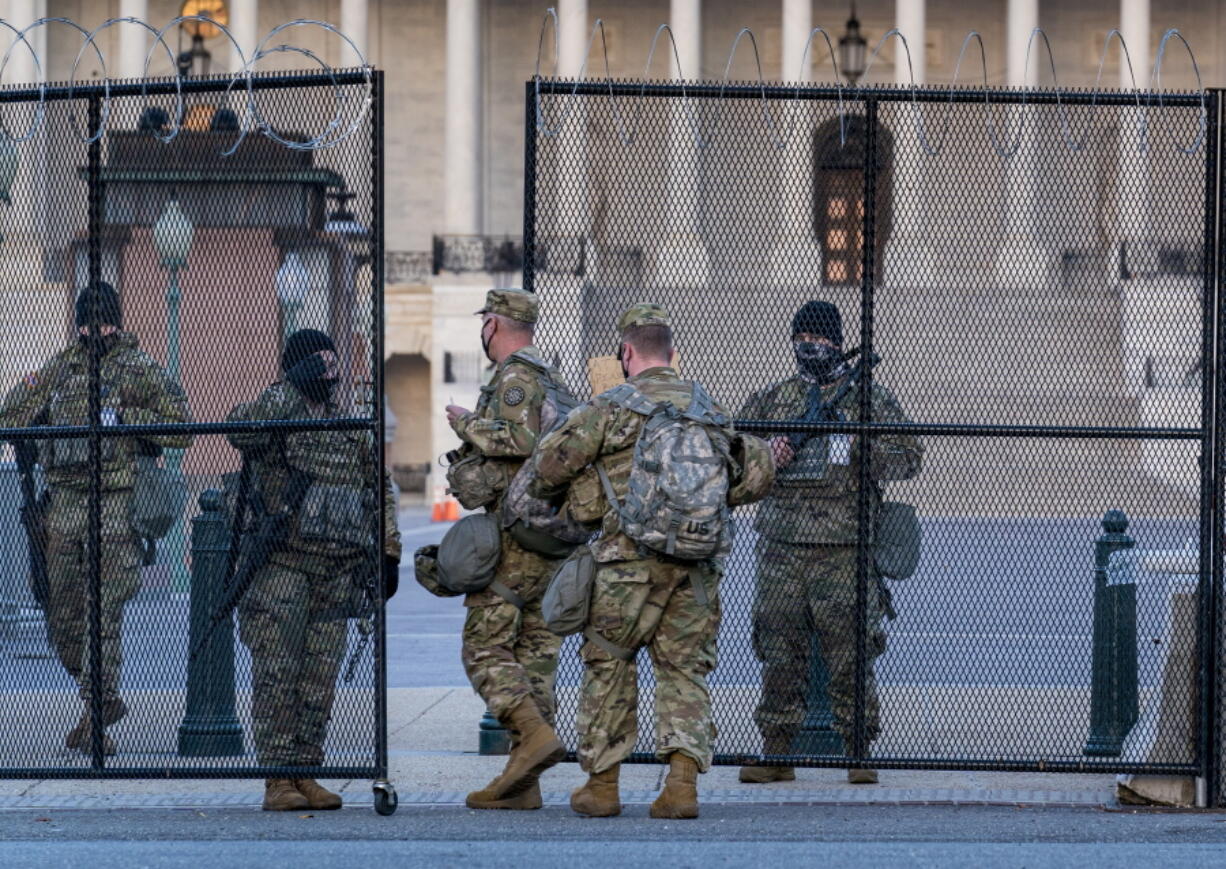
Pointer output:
x,y
425,569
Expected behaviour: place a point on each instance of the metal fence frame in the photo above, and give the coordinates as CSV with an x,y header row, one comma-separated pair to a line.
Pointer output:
x,y
96,95
1212,621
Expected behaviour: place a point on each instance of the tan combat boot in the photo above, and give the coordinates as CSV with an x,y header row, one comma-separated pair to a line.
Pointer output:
x,y
526,801
862,776
760,775
317,795
679,799
112,711
599,798
280,795
538,749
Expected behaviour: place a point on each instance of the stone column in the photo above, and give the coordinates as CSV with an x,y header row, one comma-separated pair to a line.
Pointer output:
x,y
25,215
462,133
909,255
29,340
1024,262
797,23
682,261
566,248
354,25
245,28
1132,179
796,256
134,41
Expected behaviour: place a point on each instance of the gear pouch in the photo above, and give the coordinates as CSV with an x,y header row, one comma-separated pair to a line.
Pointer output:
x,y
476,481
336,514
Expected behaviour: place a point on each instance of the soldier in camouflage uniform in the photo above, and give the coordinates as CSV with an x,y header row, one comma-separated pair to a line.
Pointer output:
x,y
639,598
509,655
293,616
807,545
135,391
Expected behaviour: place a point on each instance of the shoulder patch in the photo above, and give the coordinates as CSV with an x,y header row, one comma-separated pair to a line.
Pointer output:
x,y
513,395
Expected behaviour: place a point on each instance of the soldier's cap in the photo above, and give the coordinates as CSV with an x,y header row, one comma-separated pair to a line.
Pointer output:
x,y
512,302
99,296
643,314
819,318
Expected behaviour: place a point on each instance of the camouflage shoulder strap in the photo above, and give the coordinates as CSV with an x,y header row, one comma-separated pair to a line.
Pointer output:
x,y
629,397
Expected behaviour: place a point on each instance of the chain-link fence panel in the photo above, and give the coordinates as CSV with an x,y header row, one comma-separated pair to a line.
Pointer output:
x,y
193,500
1017,288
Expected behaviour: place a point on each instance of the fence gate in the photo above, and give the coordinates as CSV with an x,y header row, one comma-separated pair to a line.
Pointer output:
x,y
227,215
1038,274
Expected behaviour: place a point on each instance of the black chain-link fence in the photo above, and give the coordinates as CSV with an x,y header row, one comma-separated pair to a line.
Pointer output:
x,y
1036,273
120,654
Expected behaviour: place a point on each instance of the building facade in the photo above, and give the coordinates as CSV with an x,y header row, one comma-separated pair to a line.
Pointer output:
x,y
456,69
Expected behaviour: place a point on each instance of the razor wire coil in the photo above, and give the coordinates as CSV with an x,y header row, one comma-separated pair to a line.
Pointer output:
x,y
1006,144
348,115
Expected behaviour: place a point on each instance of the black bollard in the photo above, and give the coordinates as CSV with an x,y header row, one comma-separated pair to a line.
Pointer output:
x,y
1113,678
210,728
492,737
817,734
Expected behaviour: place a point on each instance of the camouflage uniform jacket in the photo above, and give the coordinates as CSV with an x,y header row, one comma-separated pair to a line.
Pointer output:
x,y
134,386
338,458
605,432
824,512
505,424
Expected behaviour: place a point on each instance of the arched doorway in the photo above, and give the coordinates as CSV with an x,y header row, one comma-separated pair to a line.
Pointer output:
x,y
838,198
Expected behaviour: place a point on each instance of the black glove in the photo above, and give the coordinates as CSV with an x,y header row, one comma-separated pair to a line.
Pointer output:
x,y
310,369
391,576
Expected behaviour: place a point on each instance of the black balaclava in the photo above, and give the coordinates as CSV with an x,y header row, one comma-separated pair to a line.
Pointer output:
x,y
303,368
815,360
103,296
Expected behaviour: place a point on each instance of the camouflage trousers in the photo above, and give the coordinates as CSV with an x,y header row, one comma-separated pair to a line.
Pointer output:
x,y
69,585
508,653
290,620
648,603
802,592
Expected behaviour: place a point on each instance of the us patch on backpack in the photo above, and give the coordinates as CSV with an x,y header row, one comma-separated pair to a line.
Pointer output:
x,y
677,497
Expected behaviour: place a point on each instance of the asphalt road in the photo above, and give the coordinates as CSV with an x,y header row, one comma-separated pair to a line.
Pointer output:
x,y
554,837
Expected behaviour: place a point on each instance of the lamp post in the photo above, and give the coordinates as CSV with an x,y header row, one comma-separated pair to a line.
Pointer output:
x,y
172,237
852,49
293,283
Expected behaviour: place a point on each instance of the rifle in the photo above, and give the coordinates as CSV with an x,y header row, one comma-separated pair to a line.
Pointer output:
x,y
254,533
33,519
371,596
819,411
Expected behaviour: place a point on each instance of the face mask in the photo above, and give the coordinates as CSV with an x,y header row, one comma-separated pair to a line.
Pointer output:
x,y
620,353
319,391
819,361
104,342
485,343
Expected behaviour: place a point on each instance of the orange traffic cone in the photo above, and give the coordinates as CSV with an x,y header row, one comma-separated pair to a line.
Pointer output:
x,y
436,513
451,510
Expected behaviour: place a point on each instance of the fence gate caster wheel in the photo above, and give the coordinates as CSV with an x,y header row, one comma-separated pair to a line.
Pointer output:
x,y
385,797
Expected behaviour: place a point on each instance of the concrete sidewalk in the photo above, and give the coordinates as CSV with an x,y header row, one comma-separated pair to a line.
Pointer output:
x,y
432,737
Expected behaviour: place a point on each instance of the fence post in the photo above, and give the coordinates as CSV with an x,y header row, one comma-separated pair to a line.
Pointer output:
x,y
817,734
492,737
210,727
1113,685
